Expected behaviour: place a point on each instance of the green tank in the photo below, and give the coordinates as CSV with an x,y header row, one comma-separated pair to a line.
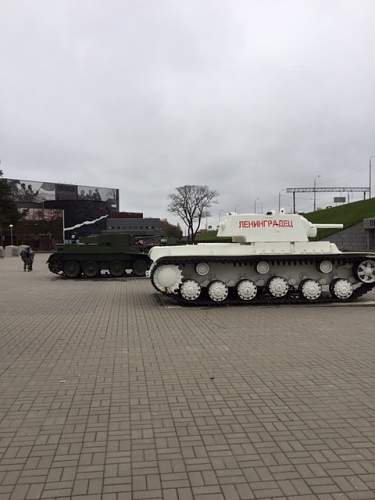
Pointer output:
x,y
113,252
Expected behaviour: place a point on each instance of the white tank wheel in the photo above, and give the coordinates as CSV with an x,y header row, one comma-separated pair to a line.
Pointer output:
x,y
366,271
311,289
247,290
278,287
202,268
341,289
325,266
262,267
167,279
218,291
190,290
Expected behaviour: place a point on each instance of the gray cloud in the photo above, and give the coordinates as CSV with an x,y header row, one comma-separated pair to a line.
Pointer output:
x,y
247,96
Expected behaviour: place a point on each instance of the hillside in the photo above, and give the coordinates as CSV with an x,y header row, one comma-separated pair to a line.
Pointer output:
x,y
348,214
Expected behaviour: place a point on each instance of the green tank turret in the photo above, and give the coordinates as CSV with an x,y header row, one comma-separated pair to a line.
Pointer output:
x,y
117,253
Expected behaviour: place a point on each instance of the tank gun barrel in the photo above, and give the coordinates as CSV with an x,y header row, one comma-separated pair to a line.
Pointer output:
x,y
328,226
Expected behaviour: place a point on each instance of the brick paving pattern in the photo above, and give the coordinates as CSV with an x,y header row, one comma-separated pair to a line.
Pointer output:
x,y
106,392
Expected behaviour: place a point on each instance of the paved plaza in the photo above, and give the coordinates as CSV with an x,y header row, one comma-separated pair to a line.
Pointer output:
x,y
109,392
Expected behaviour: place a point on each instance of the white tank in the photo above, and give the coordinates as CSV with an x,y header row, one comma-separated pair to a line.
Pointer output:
x,y
270,259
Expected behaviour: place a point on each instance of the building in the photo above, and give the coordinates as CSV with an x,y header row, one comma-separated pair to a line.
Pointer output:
x,y
57,212
145,227
51,207
148,231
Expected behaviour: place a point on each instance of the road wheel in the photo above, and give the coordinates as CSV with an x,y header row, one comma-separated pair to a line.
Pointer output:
x,y
190,290
341,289
117,268
72,269
247,290
218,291
90,269
278,287
311,290
140,267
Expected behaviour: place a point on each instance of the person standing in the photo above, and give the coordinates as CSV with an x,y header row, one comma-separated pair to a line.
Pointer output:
x,y
30,259
27,256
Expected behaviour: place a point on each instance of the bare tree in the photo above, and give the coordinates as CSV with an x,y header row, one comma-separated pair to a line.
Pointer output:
x,y
190,203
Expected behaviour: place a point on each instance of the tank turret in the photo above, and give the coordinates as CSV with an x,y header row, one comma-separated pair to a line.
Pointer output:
x,y
270,259
272,226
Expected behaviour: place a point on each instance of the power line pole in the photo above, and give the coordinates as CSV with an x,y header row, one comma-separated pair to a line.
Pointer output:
x,y
316,177
369,175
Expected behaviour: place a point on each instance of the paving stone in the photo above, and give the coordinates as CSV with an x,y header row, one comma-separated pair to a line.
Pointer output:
x,y
110,392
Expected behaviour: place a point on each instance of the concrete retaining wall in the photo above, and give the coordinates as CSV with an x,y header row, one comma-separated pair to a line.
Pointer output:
x,y
11,251
353,239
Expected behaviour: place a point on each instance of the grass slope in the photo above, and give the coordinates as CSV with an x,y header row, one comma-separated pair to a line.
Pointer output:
x,y
348,214
210,236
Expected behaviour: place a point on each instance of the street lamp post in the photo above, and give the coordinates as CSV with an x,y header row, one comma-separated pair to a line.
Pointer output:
x,y
280,198
316,177
369,175
11,233
255,205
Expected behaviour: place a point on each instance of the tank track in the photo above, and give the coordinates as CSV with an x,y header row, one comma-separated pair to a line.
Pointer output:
x,y
56,263
264,298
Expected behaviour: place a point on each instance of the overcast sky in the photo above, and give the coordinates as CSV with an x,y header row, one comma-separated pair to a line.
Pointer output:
x,y
248,97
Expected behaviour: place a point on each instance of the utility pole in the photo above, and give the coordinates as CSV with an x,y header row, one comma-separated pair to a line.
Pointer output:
x,y
316,177
11,233
369,175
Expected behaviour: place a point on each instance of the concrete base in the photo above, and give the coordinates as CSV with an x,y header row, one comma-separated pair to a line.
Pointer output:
x,y
2,252
11,251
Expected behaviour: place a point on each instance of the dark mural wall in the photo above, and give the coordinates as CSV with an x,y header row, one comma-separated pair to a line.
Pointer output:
x,y
36,192
78,203
78,211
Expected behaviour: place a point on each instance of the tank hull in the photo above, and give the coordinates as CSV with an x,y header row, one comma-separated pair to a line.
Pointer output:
x,y
303,277
270,259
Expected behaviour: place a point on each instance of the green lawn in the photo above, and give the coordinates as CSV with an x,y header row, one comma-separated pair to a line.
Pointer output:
x,y
348,214
210,236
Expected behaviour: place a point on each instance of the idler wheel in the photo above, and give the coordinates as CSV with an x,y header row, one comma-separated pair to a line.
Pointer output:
x,y
90,269
218,291
311,290
190,290
366,271
278,287
167,278
55,266
341,289
247,290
